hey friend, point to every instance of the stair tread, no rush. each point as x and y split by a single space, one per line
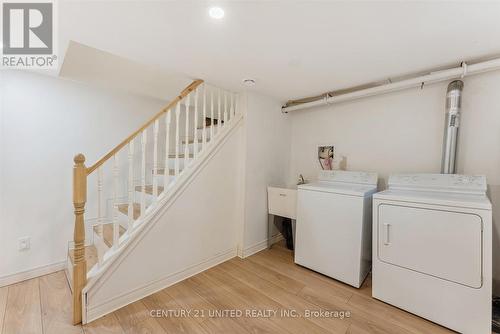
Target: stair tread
208 121
123 208
90 256
149 189
107 230
181 156
161 171
200 127
191 141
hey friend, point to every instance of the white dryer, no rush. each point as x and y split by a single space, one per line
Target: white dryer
432 237
333 233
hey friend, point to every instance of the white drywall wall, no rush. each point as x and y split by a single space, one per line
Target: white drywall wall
267 150
403 132
45 121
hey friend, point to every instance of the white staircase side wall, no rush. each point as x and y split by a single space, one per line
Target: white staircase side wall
194 231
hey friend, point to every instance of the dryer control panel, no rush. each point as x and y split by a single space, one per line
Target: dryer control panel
348 177
468 184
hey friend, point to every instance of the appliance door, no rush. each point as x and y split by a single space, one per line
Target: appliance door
328 237
440 243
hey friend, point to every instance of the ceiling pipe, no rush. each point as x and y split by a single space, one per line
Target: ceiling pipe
451 126
384 88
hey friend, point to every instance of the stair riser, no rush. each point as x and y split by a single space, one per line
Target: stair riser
123 218
190 147
100 245
171 163
200 132
148 198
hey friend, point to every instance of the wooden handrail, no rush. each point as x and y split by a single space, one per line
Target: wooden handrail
165 109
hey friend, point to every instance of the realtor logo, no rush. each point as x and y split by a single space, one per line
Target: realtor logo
28 34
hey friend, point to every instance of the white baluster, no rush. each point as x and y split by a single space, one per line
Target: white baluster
186 137
225 108
155 159
212 125
143 172
116 234
219 110
166 175
131 190
195 139
177 144
99 211
233 104
204 135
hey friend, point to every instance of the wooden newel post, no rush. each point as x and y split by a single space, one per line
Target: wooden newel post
80 264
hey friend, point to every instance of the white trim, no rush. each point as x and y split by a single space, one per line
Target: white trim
157 285
259 246
32 273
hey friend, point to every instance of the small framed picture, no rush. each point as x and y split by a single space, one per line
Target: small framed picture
325 156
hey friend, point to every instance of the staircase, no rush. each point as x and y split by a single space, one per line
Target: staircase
123 190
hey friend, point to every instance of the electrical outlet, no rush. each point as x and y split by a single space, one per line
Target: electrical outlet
24 244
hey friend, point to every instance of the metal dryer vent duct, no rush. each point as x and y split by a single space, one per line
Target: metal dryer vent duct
453 105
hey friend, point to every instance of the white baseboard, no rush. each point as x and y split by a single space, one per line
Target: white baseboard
155 286
32 273
246 252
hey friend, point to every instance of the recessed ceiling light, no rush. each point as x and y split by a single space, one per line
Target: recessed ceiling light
216 13
249 82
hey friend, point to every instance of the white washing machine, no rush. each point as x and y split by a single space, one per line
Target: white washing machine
333 232
432 249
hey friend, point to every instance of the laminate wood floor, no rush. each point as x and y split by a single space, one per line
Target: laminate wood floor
238 296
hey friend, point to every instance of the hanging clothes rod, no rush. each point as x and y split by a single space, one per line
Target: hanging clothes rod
387 86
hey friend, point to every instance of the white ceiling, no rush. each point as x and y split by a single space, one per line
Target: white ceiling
291 48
